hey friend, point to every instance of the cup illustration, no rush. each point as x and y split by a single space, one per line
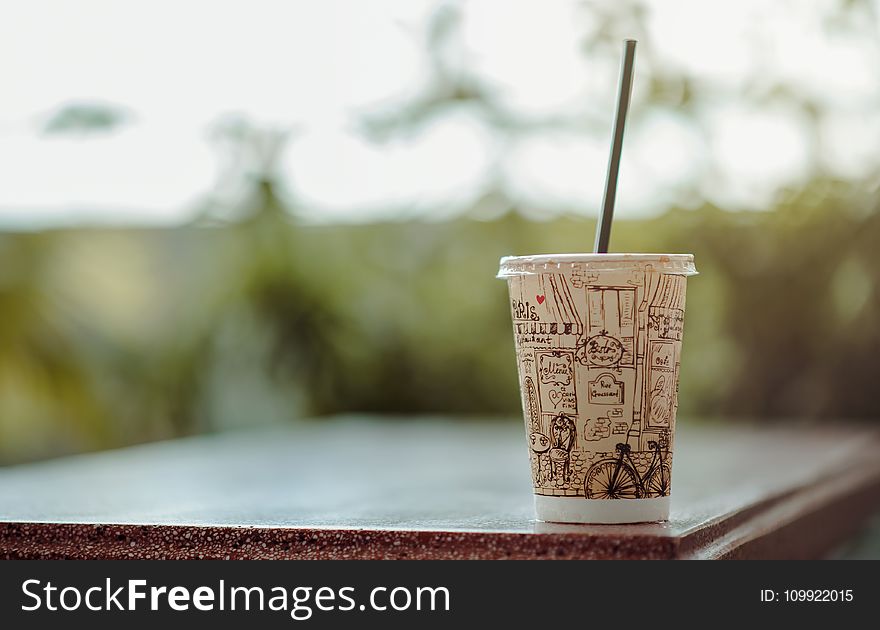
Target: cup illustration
598 347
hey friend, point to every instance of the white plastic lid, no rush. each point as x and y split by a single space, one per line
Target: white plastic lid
680 264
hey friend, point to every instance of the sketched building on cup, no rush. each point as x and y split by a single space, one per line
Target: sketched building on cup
599 350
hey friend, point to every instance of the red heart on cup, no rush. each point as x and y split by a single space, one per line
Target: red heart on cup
540 299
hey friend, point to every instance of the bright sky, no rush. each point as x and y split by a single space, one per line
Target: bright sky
179 67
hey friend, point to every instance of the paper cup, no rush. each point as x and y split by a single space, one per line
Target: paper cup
598 347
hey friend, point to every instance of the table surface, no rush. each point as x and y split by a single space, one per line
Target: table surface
355 487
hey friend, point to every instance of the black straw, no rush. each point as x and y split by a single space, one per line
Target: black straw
603 229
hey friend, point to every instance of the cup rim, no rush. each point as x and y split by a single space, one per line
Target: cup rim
610 257
527 265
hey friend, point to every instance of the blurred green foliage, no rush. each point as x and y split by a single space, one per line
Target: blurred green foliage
112 336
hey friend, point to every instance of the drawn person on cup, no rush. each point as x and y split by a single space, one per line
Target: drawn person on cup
539 444
660 403
562 439
538 440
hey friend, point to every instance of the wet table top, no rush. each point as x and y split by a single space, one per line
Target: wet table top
356 487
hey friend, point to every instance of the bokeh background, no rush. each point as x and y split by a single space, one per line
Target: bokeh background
217 215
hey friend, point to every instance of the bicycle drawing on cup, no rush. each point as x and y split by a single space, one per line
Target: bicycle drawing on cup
619 478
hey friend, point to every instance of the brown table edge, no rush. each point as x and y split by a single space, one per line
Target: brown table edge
125 541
